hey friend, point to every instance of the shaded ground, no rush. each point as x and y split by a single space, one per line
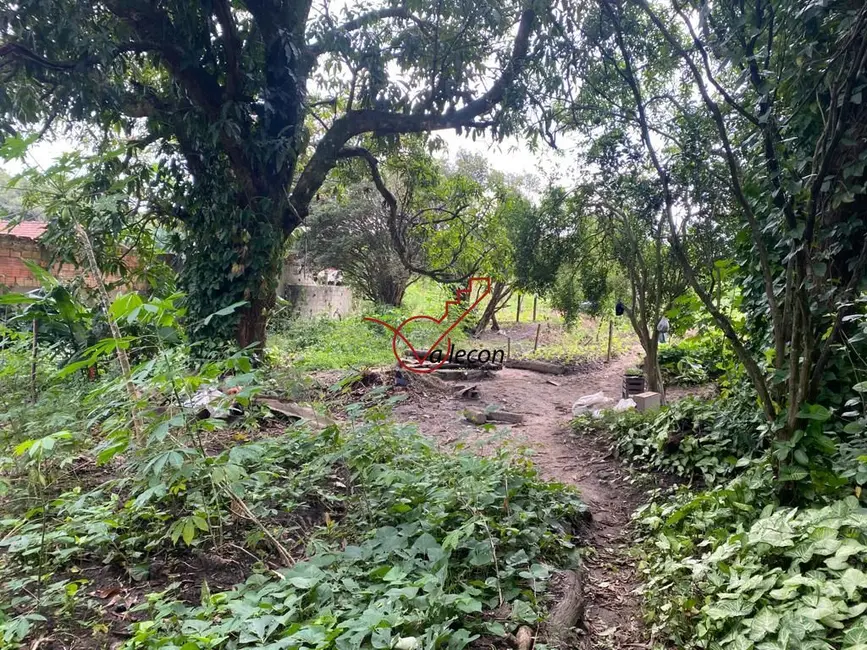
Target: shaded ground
613 612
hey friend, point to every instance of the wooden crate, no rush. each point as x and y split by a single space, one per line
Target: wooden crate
632 385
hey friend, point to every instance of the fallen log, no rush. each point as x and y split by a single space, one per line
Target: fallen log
505 416
567 612
524 638
536 366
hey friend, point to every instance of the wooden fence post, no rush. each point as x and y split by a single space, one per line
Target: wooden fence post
518 313
536 344
610 333
535 298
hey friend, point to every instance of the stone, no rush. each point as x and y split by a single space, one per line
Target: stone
624 405
647 401
590 403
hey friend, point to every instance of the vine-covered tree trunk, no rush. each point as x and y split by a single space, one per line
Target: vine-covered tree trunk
232 262
390 291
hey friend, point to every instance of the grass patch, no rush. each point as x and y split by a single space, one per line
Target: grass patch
585 340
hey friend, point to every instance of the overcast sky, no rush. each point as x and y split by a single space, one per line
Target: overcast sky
511 156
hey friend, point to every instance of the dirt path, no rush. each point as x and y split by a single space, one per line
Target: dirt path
613 612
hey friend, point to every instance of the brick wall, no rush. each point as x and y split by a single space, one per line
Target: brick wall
14 274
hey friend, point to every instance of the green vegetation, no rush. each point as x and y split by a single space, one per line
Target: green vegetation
128 479
351 342
695 360
691 439
585 340
714 190
727 561
724 571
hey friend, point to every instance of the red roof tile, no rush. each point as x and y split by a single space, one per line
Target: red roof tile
25 229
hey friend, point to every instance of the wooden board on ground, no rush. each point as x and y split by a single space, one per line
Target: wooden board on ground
467 392
536 366
296 412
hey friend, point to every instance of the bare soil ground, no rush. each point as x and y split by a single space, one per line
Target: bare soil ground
613 613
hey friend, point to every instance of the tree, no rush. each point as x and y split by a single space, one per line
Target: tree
771 93
584 239
350 232
219 92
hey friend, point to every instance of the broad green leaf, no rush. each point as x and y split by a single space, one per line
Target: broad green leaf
764 623
725 609
852 580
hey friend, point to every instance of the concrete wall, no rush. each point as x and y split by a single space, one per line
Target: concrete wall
309 301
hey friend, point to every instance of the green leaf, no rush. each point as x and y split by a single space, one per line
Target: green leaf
188 532
764 623
124 305
522 611
225 311
725 609
851 580
856 635
815 412
17 299
791 473
16 146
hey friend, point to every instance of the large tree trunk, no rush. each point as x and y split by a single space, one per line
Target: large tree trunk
254 321
390 290
232 256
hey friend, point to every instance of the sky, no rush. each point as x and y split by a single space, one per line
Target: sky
511 156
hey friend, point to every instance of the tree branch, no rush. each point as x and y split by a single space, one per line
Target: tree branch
354 123
402 13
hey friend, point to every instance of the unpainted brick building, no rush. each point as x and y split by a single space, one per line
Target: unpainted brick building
21 242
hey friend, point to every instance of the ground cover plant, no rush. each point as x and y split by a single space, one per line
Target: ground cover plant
352 535
724 571
693 439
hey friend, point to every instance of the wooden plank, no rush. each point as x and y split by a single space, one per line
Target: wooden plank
536 366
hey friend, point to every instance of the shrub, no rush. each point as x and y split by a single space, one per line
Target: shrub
689 438
721 573
694 360
389 540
